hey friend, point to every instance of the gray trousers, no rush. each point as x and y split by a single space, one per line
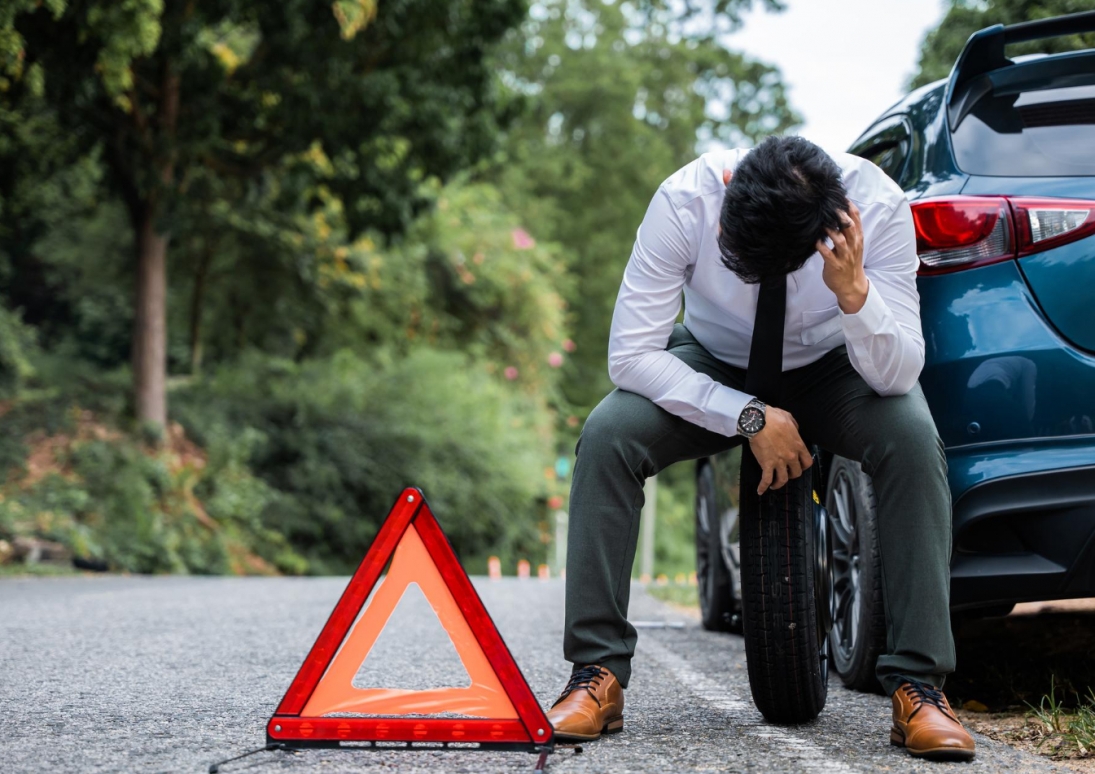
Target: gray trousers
627 438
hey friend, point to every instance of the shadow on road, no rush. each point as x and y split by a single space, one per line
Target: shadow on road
1007 662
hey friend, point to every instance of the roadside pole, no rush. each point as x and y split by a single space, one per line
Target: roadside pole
648 516
560 541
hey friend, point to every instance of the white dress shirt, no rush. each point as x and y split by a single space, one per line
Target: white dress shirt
676 249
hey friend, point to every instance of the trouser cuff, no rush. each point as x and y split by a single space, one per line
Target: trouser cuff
892 682
619 666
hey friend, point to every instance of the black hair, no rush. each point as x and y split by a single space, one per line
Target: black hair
780 200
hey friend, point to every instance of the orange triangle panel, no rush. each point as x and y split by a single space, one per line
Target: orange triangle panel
322 706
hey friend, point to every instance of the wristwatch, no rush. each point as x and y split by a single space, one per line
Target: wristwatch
751 420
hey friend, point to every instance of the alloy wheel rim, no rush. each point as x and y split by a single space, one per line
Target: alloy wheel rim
846 564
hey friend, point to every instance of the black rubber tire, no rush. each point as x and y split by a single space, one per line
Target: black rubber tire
719 609
854 649
783 640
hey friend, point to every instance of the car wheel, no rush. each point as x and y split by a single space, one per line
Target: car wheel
858 635
719 609
785 591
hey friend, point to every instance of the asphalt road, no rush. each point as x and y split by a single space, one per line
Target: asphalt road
119 674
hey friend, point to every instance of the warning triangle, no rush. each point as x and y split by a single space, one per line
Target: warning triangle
323 707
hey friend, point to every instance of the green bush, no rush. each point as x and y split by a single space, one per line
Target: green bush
16 342
339 437
69 477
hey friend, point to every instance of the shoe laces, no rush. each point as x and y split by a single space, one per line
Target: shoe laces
585 679
922 694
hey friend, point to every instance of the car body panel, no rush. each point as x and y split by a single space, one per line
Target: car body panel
1062 280
996 369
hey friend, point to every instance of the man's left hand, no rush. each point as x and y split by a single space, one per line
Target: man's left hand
843 272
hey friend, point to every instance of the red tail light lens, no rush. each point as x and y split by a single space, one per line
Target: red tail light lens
1042 224
962 232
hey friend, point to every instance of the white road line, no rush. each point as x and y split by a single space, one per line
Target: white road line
744 717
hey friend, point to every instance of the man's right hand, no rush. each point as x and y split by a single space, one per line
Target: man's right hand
779 450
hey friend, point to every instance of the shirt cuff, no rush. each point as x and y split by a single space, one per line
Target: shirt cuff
725 407
869 320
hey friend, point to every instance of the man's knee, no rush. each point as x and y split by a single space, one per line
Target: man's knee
909 468
908 436
617 423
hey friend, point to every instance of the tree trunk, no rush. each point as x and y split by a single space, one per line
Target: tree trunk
197 302
150 324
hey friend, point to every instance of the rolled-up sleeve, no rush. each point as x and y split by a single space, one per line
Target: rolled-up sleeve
884 338
646 310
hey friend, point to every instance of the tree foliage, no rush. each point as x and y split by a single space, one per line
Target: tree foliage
190 104
185 97
617 98
942 45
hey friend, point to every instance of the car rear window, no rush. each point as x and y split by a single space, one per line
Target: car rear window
1037 133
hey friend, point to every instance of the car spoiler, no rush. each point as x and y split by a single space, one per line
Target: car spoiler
984 54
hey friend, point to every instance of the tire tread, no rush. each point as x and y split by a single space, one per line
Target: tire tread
782 652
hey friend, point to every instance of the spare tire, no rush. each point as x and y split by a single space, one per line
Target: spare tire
785 589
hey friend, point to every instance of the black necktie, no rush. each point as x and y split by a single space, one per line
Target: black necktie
764 376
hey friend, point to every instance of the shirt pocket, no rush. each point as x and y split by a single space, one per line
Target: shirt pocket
820 324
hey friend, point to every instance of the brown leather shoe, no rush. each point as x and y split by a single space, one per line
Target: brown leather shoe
591 704
925 725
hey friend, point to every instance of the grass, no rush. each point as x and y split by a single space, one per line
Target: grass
1067 733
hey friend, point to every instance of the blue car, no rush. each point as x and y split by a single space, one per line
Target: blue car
998 162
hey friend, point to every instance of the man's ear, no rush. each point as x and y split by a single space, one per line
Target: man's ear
726 175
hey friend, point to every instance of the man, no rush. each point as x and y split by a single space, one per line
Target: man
841 232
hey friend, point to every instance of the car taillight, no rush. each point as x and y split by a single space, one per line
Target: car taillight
1045 223
962 232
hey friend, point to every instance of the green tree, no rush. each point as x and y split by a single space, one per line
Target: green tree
190 104
463 277
942 45
617 97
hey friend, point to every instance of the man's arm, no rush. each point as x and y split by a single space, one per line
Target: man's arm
881 319
646 309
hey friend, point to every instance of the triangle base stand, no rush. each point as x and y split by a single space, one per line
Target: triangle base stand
272 746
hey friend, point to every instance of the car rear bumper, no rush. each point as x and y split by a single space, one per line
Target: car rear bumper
1027 536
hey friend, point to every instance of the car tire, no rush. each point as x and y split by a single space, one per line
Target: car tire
858 635
785 620
719 608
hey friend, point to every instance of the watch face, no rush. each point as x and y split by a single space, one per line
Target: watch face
752 420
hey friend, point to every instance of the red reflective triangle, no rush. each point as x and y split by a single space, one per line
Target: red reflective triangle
497 708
